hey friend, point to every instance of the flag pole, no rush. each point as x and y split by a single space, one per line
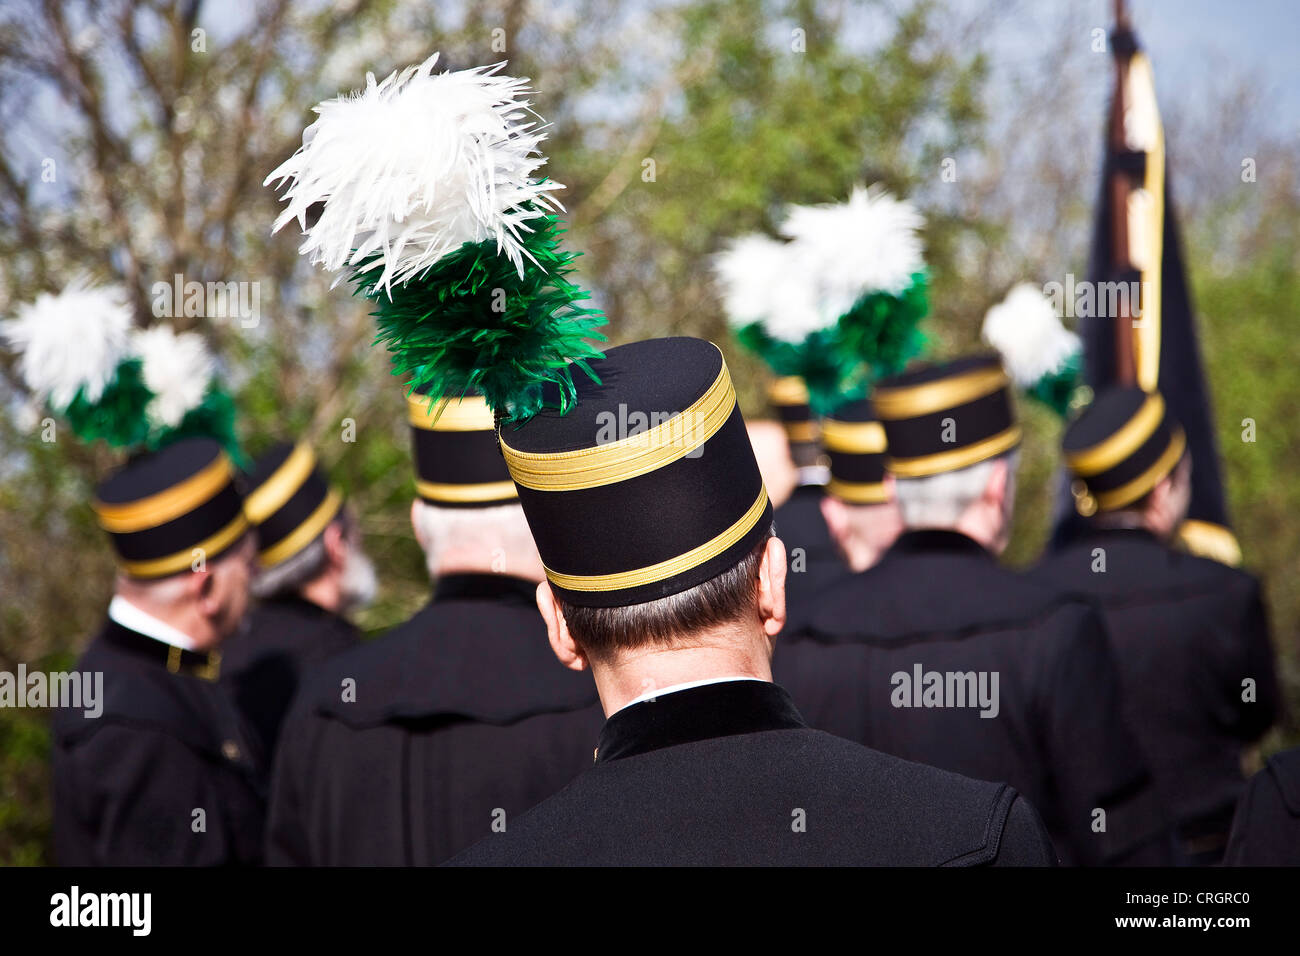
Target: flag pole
1119 188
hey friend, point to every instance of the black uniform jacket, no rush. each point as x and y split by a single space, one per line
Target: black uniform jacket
1187 632
1266 829
729 774
812 559
903 657
128 784
264 662
458 720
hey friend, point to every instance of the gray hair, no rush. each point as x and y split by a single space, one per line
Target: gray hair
292 574
939 501
489 529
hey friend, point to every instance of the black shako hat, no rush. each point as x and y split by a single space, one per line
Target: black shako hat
1120 447
941 418
289 501
649 485
788 397
855 441
457 461
164 509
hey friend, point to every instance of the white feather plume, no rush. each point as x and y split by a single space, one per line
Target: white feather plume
70 341
414 166
869 243
762 280
1025 329
176 368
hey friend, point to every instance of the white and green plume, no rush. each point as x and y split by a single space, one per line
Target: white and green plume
131 388
1041 355
432 203
838 300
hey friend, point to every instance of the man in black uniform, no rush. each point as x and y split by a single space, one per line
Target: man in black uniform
1266 828
862 515
664 578
408 749
814 563
1190 634
938 654
311 571
166 774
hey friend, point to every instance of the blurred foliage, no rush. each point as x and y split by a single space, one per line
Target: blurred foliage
674 125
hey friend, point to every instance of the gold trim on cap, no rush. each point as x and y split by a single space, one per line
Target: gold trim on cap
305 533
911 401
924 465
858 492
162 567
166 505
805 431
467 493
469 413
664 569
1110 451
788 390
270 496
1131 491
857 438
1210 540
628 457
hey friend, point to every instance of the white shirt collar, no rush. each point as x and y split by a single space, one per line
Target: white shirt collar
130 616
660 692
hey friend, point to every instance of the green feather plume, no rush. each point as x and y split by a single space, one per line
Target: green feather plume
472 322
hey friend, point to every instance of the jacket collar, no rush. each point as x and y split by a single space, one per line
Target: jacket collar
485 587
937 541
175 659
697 713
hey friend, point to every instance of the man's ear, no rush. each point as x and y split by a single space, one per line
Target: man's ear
202 586
335 545
995 492
557 630
836 515
771 587
415 525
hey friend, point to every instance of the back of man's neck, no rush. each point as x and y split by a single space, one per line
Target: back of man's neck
654 669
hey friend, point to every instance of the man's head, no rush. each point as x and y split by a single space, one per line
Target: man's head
859 510
1130 462
206 603
652 520
772 450
491 540
176 519
977 500
952 437
333 571
309 542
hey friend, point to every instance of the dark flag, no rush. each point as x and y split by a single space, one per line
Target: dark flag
1140 329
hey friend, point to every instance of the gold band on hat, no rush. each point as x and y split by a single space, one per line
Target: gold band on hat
469 413
468 493
1131 491
805 431
912 401
270 496
628 457
162 567
857 438
166 505
1109 452
858 492
958 458
305 533
788 390
664 569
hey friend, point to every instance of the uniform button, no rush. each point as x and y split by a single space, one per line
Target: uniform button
230 750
